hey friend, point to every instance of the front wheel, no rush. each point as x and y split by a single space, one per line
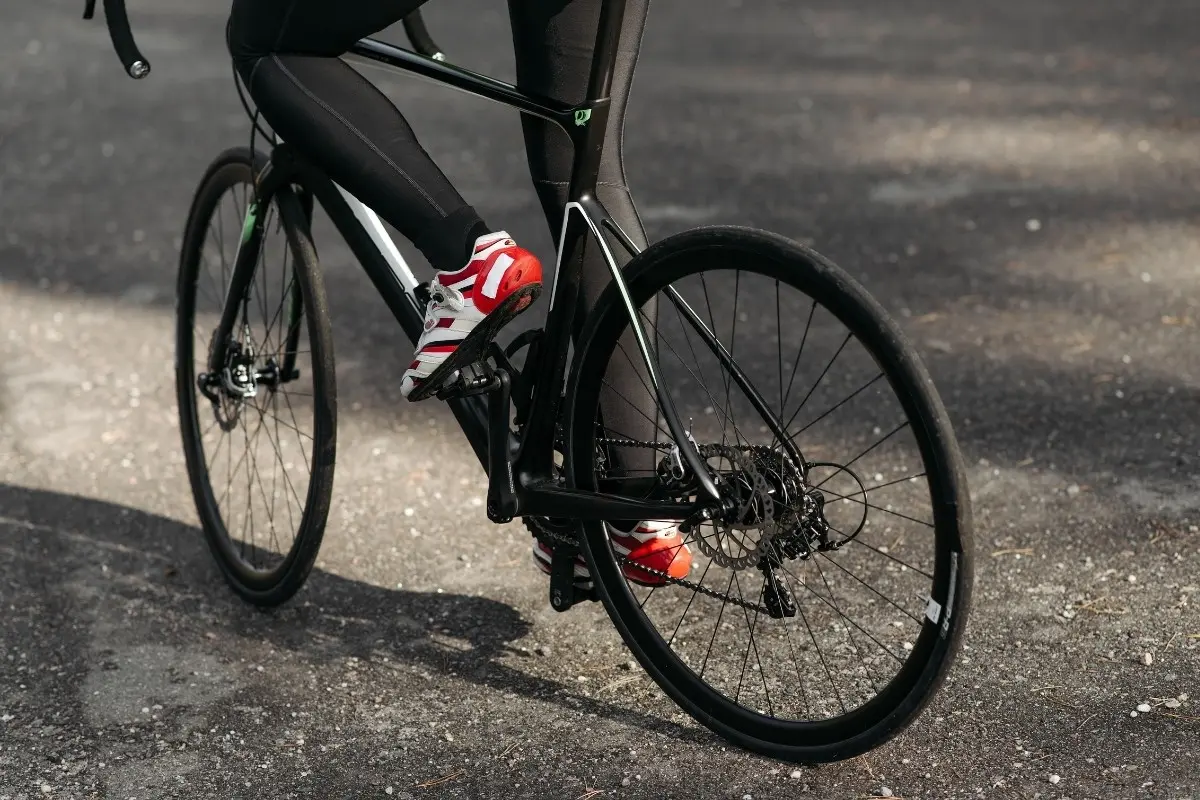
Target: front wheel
823 612
259 434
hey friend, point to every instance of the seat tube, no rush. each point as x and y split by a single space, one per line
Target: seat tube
604 57
591 118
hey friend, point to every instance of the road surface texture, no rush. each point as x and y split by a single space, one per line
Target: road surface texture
1017 181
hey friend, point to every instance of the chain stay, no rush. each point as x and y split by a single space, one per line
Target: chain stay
562 538
706 451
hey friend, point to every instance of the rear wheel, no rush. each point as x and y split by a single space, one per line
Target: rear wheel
259 436
820 617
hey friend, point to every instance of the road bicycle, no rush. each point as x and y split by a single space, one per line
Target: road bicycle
820 613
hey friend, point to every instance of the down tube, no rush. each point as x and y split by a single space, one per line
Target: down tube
470 413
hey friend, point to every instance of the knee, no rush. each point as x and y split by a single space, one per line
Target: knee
242 43
243 37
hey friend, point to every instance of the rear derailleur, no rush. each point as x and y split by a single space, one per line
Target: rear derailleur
799 543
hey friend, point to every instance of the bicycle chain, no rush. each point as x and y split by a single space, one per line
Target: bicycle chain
623 560
705 451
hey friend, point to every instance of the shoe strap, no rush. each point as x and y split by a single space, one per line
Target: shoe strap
453 297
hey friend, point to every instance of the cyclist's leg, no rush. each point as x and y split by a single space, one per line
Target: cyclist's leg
287 53
554 42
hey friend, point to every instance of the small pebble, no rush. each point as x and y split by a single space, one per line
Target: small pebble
624 781
1055 779
628 665
449 737
885 791
1172 703
747 797
1144 708
1033 225
797 774
1147 658
389 790
542 650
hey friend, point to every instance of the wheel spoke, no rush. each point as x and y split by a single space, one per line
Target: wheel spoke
796 364
854 460
872 506
884 597
834 408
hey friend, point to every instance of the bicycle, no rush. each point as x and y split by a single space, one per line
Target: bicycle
766 502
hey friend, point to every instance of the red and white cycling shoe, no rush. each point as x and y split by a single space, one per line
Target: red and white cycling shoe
468 308
655 544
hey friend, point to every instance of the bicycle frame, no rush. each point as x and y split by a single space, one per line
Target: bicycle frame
529 488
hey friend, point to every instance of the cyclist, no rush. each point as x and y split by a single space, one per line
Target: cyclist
288 54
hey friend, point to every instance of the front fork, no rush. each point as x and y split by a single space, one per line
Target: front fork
230 365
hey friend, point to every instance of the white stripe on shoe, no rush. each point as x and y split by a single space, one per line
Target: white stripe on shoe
496 274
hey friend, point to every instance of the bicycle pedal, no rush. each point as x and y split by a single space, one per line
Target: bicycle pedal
472 379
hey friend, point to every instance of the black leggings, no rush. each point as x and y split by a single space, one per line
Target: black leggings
287 52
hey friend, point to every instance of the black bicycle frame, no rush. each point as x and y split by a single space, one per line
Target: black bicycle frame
530 487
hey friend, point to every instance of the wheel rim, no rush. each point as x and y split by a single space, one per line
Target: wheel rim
831 642
257 451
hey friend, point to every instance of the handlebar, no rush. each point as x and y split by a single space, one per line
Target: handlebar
136 65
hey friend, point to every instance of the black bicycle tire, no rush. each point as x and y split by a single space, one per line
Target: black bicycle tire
276 586
870 725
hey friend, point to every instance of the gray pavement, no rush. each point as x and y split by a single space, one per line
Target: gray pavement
1016 181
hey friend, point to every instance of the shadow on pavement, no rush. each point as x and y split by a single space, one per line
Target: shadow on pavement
162 567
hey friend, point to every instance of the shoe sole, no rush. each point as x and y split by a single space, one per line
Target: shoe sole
474 347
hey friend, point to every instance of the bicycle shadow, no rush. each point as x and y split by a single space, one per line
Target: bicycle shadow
49 540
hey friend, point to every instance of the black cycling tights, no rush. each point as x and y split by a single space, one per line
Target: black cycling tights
287 52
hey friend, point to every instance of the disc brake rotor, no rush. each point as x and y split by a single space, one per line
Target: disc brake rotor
732 548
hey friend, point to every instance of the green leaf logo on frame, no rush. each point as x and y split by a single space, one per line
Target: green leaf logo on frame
582 116
248 227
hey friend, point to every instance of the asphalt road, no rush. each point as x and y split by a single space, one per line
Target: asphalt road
1016 181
